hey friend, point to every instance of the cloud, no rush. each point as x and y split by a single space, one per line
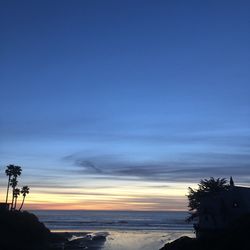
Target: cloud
189 168
88 165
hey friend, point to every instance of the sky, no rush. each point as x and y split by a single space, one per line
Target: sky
122 105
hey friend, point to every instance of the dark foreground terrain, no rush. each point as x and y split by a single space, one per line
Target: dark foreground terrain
236 237
23 231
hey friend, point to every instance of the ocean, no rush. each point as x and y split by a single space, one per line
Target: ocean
127 230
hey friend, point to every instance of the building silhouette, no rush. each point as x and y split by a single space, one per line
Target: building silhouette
217 211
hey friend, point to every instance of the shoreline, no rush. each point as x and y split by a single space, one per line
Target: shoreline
120 239
77 240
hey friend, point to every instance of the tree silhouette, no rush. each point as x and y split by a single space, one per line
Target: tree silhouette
205 188
13 184
24 191
16 193
9 173
16 171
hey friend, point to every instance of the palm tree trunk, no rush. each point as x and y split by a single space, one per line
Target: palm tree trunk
12 202
15 203
22 203
8 186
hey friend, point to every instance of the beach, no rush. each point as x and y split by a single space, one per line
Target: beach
120 240
117 230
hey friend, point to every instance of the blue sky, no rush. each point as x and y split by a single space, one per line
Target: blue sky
125 93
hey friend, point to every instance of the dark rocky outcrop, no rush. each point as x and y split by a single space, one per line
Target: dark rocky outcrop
22 230
235 237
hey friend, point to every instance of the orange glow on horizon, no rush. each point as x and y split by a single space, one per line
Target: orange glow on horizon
122 198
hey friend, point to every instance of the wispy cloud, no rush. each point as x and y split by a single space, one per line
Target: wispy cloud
86 164
190 168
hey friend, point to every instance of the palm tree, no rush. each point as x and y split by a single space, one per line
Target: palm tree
205 188
16 193
13 184
9 173
25 190
16 171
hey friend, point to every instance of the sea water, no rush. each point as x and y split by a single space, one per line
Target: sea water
128 230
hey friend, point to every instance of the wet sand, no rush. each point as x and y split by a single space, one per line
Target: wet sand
140 240
78 240
120 240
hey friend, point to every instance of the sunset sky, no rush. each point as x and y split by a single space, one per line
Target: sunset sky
123 104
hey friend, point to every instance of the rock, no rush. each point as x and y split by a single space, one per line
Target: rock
184 242
22 231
